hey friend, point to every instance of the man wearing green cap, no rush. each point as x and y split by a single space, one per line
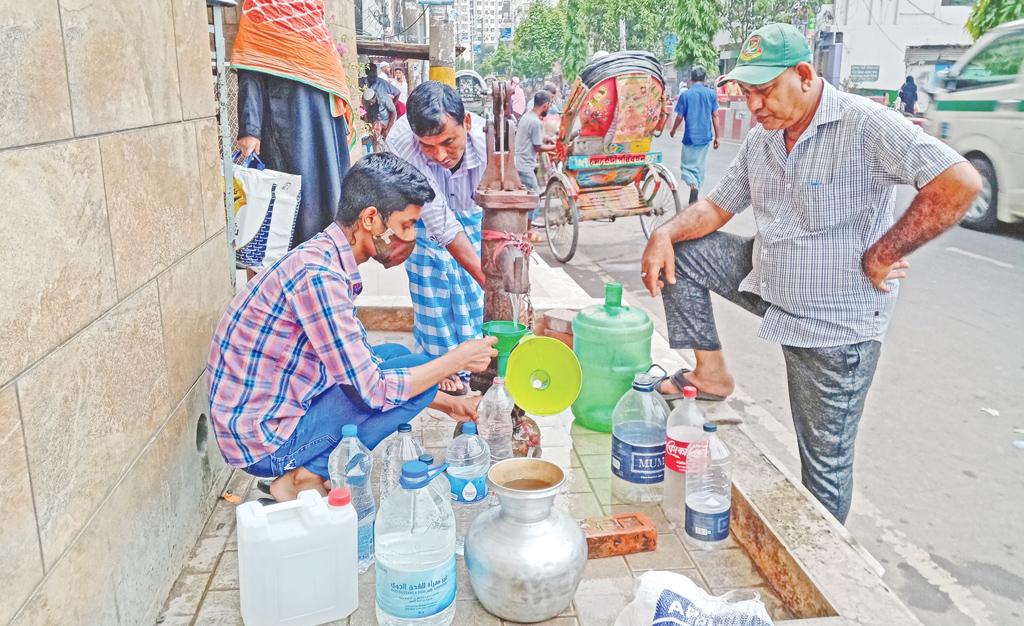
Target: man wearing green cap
823 268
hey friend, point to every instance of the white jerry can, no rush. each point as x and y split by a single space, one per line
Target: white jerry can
298 561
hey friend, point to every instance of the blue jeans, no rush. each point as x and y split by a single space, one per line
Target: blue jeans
529 180
827 385
319 430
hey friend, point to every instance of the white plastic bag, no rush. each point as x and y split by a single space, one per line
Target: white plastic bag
266 204
666 598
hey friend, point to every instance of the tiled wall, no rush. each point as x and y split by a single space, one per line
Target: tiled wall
114 272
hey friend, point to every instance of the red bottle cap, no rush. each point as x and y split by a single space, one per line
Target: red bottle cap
339 497
689 392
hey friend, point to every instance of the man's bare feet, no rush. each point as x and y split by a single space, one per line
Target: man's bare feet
287 486
452 384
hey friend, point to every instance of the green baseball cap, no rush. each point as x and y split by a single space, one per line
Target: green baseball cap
767 52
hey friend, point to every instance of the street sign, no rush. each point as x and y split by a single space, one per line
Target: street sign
863 73
671 41
505 33
477 48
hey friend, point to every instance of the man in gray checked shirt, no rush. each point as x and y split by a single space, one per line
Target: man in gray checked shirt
819 173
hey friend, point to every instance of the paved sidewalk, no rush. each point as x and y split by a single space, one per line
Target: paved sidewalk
206 593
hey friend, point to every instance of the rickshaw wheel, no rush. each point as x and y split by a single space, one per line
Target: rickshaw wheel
657 193
561 221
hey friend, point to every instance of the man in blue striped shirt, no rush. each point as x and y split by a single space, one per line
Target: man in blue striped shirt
446 144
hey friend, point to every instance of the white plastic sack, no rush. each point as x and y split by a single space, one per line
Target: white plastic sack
266 204
666 598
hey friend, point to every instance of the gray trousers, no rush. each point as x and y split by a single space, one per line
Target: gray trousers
827 386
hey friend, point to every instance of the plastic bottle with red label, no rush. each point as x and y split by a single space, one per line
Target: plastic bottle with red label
685 424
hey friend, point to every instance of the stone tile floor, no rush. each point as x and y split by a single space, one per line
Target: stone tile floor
206 592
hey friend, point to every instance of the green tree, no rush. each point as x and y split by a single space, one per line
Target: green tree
741 17
574 51
498 62
987 14
697 21
538 40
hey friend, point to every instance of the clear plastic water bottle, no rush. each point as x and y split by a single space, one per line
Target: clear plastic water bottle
469 458
439 484
416 552
398 449
494 421
638 442
351 465
685 425
708 490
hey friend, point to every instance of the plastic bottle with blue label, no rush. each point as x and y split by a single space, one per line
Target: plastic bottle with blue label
638 442
708 490
469 458
416 552
351 465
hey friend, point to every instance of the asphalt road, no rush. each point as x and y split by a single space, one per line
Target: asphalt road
940 485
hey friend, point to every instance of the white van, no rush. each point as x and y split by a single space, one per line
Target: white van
980 113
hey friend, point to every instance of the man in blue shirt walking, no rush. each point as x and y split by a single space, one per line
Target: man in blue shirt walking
696 106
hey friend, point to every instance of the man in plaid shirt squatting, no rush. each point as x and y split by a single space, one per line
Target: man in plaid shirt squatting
290 363
822 270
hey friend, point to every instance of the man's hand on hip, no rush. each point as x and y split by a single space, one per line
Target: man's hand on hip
658 264
878 271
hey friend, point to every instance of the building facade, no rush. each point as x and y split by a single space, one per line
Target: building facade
875 44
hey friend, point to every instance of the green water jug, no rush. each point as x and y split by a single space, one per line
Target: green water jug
613 344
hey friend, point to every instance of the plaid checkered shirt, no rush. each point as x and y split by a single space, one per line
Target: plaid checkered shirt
447 302
819 208
284 340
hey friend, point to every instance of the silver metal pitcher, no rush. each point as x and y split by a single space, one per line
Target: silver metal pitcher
525 558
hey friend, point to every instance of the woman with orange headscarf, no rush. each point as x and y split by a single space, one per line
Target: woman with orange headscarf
293 106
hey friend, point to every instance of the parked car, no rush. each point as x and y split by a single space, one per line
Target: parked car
980 113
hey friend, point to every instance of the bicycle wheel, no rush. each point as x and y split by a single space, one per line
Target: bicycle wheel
561 221
657 193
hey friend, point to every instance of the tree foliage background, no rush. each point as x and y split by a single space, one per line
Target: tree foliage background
987 14
572 30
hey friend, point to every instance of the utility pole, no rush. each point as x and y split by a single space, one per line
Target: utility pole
622 34
411 25
442 45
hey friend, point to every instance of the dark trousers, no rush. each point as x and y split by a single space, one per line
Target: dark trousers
827 385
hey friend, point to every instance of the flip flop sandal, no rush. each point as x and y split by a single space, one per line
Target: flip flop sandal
460 392
267 501
679 380
263 486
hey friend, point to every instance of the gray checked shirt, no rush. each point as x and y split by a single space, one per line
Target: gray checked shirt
819 208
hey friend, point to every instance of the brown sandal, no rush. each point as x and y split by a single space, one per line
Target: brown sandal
680 380
460 392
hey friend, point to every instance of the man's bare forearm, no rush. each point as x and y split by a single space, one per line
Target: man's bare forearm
697 220
938 206
466 255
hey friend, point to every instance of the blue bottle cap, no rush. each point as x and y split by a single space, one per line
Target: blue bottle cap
405 428
349 430
427 458
710 427
414 469
469 428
